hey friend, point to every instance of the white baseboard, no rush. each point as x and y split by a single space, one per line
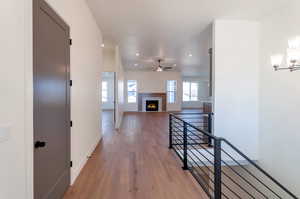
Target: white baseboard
75 171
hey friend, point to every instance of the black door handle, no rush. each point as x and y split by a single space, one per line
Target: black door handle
39 144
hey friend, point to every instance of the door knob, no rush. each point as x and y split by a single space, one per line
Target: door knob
39 144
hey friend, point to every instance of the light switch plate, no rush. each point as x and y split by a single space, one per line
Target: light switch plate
4 132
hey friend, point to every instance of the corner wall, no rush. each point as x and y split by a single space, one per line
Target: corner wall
86 67
236 83
280 100
120 99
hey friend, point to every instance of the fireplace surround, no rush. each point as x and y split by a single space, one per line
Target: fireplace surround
162 97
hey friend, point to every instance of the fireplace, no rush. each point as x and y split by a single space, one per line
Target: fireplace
152 105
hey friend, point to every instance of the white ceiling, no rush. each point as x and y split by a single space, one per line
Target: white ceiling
170 28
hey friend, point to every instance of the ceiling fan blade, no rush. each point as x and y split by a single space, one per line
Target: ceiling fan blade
168 68
168 65
168 60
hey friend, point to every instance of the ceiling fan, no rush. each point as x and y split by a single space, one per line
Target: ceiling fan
161 67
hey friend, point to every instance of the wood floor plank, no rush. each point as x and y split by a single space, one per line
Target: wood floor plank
135 163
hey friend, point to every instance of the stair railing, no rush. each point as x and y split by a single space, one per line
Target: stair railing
219 172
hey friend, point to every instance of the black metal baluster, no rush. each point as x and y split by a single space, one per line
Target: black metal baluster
170 132
217 168
209 128
185 148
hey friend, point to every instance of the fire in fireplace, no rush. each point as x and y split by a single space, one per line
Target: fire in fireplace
152 105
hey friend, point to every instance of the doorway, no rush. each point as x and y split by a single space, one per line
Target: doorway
108 101
51 73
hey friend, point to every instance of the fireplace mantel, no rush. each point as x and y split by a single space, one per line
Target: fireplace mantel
163 96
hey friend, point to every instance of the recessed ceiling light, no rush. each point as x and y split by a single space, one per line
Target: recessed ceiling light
135 64
137 54
174 65
190 55
102 45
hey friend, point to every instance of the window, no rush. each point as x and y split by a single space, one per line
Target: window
186 91
131 91
104 91
190 91
171 91
194 91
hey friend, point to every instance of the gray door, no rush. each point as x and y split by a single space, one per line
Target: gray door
51 103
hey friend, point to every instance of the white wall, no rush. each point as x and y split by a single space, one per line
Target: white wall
109 60
280 100
154 82
203 92
120 98
86 66
236 78
110 79
16 115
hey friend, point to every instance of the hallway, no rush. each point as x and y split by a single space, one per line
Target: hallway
135 163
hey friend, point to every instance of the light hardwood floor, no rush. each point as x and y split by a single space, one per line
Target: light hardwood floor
135 163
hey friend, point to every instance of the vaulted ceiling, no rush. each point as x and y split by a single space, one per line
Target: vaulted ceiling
173 29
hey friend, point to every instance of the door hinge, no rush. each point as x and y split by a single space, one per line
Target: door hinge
71 82
71 164
71 123
71 42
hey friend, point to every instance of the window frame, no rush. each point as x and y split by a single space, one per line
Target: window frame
134 92
169 91
190 96
197 93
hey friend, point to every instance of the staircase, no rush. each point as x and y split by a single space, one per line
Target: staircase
219 167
